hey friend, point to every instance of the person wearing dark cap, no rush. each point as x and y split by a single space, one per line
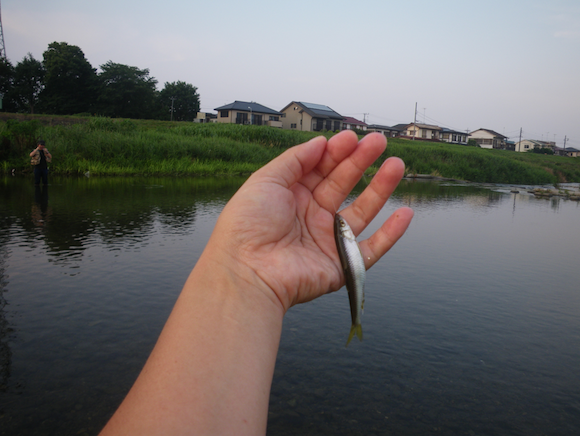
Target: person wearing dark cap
40 157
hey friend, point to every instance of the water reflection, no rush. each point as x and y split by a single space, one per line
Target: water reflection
40 210
120 211
474 311
113 211
5 352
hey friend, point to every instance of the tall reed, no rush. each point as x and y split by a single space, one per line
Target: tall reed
104 146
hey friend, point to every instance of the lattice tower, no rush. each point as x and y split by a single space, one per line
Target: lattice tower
2 46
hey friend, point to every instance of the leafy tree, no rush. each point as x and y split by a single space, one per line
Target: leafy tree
28 83
542 150
127 92
6 83
71 81
183 98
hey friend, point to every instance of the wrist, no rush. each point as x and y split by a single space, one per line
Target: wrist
231 280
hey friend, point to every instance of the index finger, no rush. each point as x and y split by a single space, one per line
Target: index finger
333 190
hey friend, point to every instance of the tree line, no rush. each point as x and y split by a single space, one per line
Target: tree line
65 83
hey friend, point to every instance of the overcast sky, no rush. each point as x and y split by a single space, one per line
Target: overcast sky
501 65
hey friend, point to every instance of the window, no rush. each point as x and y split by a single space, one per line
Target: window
454 138
256 120
273 118
224 114
241 118
293 125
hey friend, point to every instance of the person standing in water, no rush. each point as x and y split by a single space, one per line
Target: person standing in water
40 158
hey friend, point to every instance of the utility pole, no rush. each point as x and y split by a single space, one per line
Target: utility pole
520 143
415 122
564 150
172 100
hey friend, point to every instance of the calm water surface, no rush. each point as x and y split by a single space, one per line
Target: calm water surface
471 323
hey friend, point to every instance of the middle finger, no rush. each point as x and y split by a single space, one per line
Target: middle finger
333 190
363 210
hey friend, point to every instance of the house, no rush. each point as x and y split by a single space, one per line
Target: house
389 132
350 123
510 145
530 144
205 117
486 138
453 136
399 129
424 132
310 117
248 112
568 151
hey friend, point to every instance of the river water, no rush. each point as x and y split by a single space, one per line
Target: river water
471 323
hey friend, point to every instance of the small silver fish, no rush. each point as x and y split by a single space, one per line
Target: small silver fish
354 269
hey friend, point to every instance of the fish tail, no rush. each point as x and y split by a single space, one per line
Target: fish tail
355 329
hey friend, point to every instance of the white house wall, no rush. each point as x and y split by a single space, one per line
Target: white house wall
524 145
484 135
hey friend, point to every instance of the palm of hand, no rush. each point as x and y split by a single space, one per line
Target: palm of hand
288 241
280 223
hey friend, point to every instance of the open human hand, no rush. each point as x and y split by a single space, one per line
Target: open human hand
279 225
273 246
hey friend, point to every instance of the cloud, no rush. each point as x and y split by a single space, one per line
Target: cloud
568 34
567 23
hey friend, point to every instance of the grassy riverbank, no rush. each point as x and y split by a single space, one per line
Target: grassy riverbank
475 164
103 146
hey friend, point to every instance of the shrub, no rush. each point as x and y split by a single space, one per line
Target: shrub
17 137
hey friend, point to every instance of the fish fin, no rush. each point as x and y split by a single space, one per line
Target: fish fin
355 329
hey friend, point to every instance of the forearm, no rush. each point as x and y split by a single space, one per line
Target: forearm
211 370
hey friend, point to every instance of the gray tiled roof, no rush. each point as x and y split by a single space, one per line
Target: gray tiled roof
247 106
316 110
446 130
499 135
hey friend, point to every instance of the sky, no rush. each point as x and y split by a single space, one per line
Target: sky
503 65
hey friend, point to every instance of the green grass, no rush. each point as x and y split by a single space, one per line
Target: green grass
482 165
104 146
